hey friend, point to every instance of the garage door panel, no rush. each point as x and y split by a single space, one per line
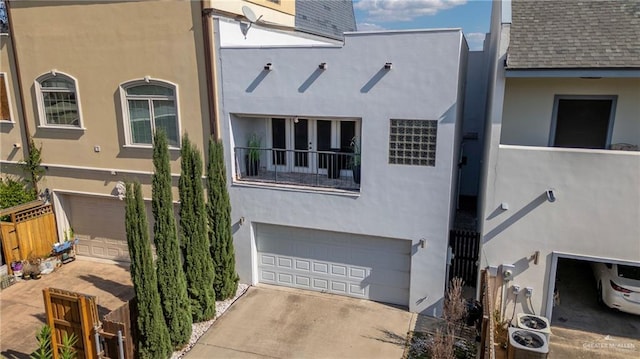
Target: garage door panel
320 284
267 276
352 265
302 264
339 270
266 259
99 225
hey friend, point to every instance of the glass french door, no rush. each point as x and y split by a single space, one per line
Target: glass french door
303 145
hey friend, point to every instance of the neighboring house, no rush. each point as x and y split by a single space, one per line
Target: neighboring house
302 217
562 167
97 78
331 18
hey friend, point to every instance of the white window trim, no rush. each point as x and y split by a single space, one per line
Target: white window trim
9 103
556 106
124 105
42 117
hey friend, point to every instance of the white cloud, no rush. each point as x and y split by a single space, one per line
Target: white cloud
366 26
403 10
475 40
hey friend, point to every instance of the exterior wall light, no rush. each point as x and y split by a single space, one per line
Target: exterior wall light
268 66
387 66
551 195
323 66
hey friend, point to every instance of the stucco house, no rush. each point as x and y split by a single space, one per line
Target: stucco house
561 167
298 114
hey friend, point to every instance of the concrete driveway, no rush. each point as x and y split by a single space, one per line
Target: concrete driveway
22 305
276 322
584 329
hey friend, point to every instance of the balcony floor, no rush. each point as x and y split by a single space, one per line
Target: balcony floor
319 180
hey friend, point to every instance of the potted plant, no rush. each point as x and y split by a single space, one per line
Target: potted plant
355 160
252 159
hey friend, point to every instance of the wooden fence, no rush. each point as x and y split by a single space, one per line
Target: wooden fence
122 320
487 336
69 312
31 232
465 246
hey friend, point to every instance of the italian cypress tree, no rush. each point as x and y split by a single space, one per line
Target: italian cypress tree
172 284
219 213
153 335
198 265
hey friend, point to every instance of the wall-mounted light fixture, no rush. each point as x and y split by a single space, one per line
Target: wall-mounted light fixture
504 206
17 145
268 66
147 79
423 242
323 66
241 221
551 195
387 66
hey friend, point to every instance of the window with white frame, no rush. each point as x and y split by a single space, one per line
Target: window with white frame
5 109
58 101
149 106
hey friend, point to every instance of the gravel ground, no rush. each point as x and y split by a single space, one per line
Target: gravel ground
200 328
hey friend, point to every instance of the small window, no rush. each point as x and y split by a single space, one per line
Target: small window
5 109
582 122
58 102
148 107
413 142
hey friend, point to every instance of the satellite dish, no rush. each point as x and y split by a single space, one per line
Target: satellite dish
249 14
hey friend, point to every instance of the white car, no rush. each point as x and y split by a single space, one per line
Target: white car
618 286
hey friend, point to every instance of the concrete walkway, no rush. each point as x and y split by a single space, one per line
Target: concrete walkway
276 322
22 305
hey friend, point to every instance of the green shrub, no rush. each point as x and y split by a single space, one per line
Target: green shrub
44 344
13 193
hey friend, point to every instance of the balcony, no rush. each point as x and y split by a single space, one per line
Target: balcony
319 169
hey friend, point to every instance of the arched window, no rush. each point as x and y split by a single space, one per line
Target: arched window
58 102
149 106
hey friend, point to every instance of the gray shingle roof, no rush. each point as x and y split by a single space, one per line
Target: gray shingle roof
574 34
325 17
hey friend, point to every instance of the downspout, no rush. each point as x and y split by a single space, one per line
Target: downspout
16 65
210 69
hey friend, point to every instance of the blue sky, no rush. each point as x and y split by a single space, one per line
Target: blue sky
473 16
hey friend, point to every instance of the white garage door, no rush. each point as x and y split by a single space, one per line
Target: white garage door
357 266
99 226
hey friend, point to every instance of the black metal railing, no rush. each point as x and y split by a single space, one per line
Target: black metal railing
326 169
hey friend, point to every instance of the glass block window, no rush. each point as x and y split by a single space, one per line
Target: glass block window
413 142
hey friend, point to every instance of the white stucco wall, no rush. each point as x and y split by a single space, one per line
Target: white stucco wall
529 102
238 34
596 213
395 201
